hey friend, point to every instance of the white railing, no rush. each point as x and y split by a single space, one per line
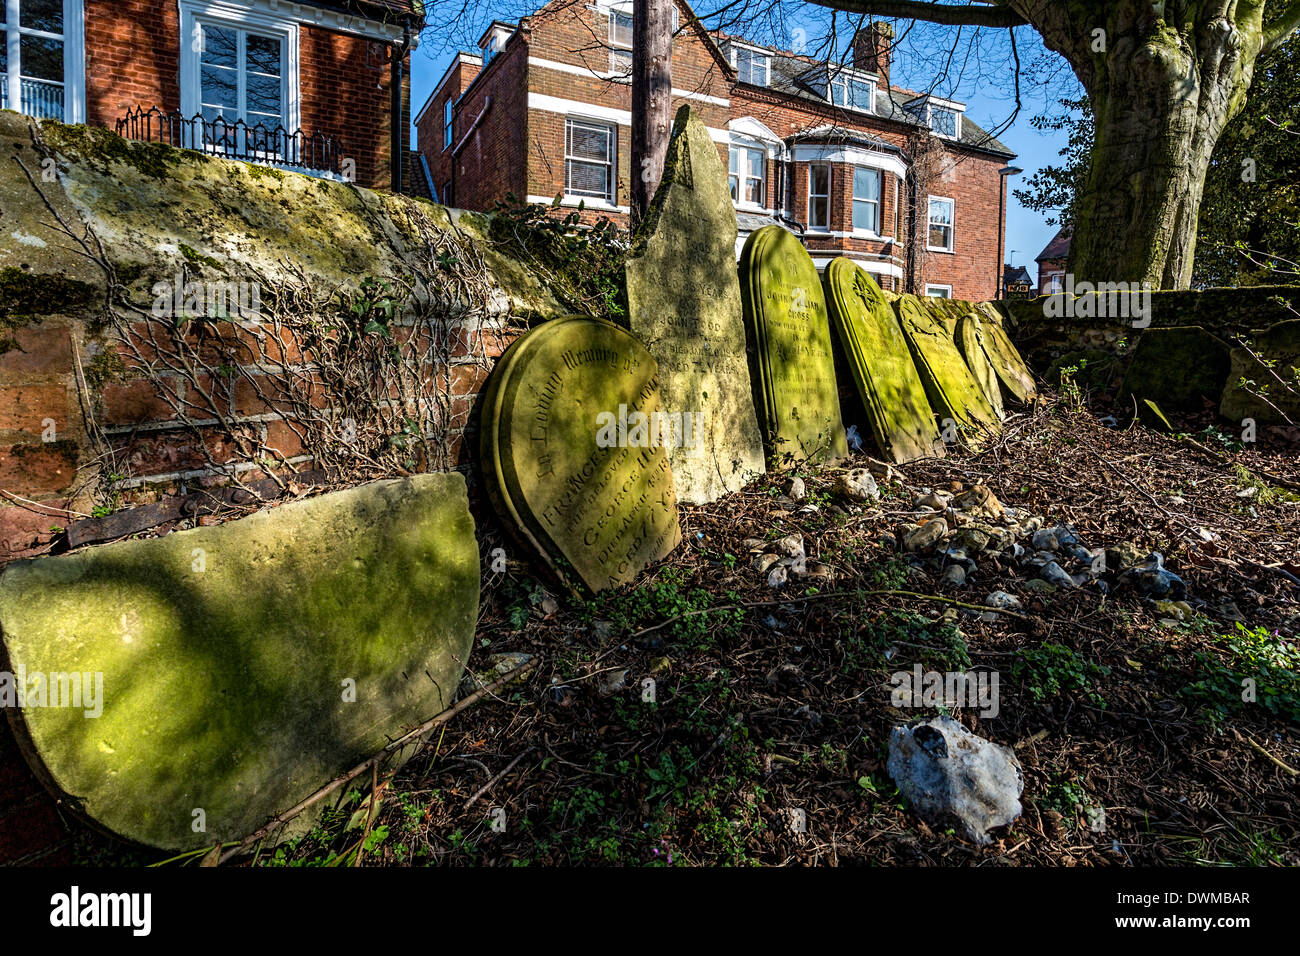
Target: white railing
42 99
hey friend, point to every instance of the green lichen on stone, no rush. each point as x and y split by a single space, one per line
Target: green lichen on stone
198 259
1177 368
229 655
25 295
97 145
952 390
898 412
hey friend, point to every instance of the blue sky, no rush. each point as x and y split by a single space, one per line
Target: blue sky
989 103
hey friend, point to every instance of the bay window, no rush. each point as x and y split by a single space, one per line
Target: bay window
746 174
819 196
866 199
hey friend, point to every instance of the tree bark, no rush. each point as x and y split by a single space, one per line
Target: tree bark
1161 99
652 83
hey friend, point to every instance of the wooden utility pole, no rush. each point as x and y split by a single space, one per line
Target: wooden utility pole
652 86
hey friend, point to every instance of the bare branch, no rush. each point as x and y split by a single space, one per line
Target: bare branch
972 15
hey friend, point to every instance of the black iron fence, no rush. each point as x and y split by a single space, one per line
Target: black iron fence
258 143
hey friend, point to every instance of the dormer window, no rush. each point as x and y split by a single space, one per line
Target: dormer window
844 88
944 122
942 116
494 41
752 66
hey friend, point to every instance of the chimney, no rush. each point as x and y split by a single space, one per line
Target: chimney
871 48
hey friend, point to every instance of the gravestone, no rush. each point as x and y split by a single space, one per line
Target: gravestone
574 454
684 306
970 342
1269 402
953 392
790 350
1177 368
898 412
1017 381
238 669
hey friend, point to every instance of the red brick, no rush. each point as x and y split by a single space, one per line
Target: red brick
42 350
135 403
30 469
27 408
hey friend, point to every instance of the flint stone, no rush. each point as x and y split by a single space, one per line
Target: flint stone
224 650
857 484
607 509
684 305
949 774
789 347
927 536
952 390
898 411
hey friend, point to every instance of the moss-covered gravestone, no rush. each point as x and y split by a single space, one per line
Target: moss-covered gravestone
953 392
684 305
185 690
1177 368
1012 372
573 450
900 417
790 350
1264 398
970 342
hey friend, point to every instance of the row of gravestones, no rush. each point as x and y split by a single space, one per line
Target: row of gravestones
183 690
592 434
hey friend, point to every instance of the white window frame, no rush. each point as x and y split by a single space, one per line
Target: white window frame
877 202
844 78
226 14
74 57
825 226
952 226
956 125
931 287
742 196
1055 282
447 108
754 54
611 162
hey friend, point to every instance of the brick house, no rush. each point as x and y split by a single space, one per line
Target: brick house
834 152
315 85
1051 263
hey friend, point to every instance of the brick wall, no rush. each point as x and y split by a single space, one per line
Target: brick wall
133 60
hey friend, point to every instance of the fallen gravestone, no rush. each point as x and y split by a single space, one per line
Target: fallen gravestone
684 306
948 773
184 690
574 454
897 410
790 350
953 392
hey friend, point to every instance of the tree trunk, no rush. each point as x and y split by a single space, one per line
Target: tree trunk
652 83
1161 100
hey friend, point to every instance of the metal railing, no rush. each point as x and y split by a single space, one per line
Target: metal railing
265 145
42 99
